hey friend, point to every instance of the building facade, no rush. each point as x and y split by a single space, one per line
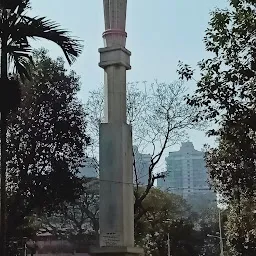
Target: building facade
187 175
142 164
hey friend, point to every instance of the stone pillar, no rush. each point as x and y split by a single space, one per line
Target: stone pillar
116 170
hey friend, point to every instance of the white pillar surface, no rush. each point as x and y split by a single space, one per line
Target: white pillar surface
116 172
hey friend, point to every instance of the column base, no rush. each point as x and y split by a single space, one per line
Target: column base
117 251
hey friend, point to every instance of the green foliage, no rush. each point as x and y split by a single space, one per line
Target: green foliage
18 28
226 94
240 227
77 221
227 78
46 142
165 214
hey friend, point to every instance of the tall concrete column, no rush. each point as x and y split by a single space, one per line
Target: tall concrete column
116 170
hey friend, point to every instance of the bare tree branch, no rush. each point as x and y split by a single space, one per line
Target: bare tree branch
160 119
79 218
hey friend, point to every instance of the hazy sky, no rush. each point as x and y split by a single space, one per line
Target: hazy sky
160 33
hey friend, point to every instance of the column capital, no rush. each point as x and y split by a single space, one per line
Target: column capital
115 21
114 56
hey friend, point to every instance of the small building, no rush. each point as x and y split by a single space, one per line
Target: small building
47 244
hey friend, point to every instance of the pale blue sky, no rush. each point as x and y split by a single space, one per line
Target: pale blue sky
160 33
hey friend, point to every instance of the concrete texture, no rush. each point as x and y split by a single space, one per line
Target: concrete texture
116 163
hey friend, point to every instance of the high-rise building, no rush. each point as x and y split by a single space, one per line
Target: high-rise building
90 169
186 174
142 163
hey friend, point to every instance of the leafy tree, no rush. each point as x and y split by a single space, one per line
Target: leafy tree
207 224
17 27
159 117
78 221
226 95
15 31
167 213
240 227
46 142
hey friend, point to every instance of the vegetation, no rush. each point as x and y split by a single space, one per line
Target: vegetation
77 221
225 96
47 138
166 213
18 28
169 214
159 117
46 143
15 31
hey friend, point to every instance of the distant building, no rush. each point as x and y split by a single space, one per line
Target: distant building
186 175
142 163
90 169
47 244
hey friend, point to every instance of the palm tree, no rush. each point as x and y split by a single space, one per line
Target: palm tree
16 28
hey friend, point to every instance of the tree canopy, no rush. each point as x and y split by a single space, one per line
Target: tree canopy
159 117
77 221
46 142
167 213
226 96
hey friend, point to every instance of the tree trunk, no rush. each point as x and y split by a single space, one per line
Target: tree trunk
4 77
3 183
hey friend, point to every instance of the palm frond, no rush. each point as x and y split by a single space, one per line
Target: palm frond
20 27
21 56
40 27
15 5
22 66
